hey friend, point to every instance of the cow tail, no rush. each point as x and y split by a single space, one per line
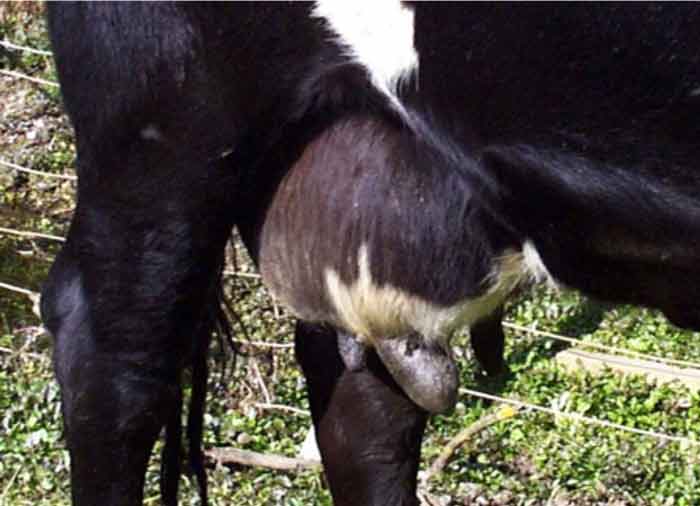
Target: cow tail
195 422
220 326
171 456
170 466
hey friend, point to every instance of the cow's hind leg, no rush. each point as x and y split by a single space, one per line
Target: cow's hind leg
128 301
488 343
369 432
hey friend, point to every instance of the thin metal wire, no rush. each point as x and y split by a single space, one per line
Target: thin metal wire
36 80
19 168
580 418
17 289
38 235
17 47
240 274
580 342
282 407
264 344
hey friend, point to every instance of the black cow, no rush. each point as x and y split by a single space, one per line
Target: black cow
564 133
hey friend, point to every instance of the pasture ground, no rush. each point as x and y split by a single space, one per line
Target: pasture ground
532 459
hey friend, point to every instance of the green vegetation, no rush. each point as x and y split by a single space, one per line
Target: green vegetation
532 459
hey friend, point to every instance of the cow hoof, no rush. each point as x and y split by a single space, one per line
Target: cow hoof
425 371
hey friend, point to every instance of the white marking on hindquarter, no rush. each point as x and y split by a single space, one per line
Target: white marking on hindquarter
378 35
373 312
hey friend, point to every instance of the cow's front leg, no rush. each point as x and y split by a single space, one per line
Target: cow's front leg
369 432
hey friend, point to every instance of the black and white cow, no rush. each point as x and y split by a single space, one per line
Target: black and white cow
395 171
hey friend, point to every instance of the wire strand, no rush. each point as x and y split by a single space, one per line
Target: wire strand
264 344
17 289
579 417
16 47
19 168
29 235
579 342
37 80
241 274
282 407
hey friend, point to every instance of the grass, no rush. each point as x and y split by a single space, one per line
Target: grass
532 459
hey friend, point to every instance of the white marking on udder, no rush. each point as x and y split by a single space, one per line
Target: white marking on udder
378 35
373 312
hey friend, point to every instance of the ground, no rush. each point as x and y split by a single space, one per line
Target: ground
531 459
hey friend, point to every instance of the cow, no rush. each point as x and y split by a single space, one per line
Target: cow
554 139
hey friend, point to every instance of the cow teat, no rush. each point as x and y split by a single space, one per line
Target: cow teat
424 369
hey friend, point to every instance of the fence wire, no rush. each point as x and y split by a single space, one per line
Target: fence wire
16 47
37 80
582 344
580 418
18 168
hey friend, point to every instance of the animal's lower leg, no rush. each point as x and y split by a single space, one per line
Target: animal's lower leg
368 431
488 342
126 322
113 414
